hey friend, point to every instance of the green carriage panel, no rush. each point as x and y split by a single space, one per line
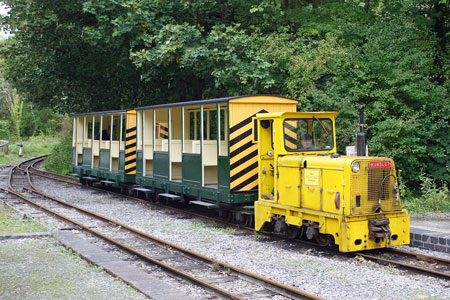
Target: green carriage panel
192 169
139 166
104 159
161 165
224 172
74 158
121 160
87 157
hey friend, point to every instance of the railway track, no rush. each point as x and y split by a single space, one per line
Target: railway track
412 261
221 278
421 263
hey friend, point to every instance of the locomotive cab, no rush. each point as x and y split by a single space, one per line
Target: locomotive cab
307 189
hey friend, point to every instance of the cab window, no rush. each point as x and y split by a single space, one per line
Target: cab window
308 134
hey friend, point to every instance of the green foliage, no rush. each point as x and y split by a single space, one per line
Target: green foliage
40 121
391 56
60 158
4 129
434 197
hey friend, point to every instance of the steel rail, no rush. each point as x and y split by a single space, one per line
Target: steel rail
405 265
279 286
419 256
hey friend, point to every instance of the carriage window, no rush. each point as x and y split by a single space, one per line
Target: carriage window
89 130
308 134
116 128
194 125
222 125
209 124
124 127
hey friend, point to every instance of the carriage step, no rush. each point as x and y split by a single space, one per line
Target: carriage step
108 182
141 189
73 175
206 204
171 196
90 178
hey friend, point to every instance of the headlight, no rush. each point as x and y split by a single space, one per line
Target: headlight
355 167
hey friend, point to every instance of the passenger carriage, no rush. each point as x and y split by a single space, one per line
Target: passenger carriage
203 151
100 157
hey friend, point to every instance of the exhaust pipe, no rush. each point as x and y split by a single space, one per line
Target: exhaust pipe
361 136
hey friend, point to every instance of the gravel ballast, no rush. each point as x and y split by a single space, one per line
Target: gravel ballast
334 277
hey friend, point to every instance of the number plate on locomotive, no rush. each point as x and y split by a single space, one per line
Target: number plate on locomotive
380 164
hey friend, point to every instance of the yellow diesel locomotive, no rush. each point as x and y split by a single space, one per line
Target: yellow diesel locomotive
307 188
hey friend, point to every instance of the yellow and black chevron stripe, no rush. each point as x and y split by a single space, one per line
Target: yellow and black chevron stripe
243 156
130 144
290 135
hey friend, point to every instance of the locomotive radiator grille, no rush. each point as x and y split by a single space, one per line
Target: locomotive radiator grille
366 189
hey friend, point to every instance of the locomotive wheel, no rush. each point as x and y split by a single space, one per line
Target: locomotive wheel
291 232
302 231
323 239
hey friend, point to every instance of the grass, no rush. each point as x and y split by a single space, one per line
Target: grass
34 146
11 223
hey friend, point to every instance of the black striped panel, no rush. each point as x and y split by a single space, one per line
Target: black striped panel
244 159
243 155
129 170
252 180
129 138
245 171
241 137
130 151
128 146
246 121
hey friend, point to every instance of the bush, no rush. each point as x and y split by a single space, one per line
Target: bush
435 197
4 130
60 159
